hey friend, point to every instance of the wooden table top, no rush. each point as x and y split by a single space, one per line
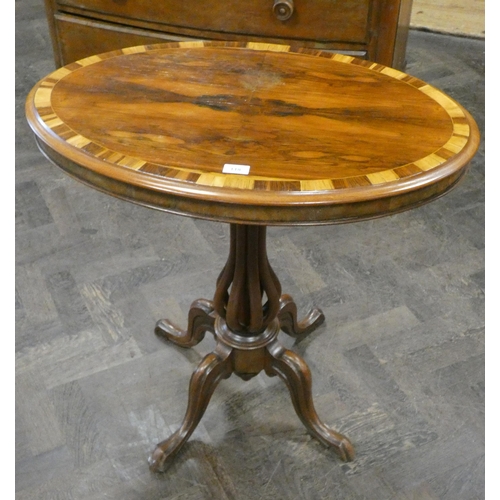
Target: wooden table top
252 133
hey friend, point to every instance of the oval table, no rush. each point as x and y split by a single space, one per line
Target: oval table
253 135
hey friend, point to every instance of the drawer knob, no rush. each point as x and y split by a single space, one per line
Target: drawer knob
283 9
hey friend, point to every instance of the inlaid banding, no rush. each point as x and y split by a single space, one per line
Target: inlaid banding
457 141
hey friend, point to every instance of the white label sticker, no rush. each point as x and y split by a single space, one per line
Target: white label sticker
232 168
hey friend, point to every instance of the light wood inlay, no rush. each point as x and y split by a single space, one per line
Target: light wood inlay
318 130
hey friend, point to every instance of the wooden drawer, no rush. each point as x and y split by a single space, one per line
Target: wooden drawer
372 29
326 20
79 38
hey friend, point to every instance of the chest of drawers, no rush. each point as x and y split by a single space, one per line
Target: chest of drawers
371 29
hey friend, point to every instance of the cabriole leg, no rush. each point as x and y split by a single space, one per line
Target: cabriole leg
213 368
293 370
200 320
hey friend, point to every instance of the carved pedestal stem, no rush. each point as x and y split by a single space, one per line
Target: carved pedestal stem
246 279
246 316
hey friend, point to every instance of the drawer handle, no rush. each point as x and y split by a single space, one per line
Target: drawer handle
283 9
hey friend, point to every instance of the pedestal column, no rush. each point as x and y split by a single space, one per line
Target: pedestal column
245 316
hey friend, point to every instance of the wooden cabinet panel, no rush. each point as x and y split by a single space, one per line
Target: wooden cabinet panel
332 20
99 37
372 29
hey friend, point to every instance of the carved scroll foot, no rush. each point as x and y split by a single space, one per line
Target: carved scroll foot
293 370
213 368
289 323
201 319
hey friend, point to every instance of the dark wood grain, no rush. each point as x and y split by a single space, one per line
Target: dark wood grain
331 137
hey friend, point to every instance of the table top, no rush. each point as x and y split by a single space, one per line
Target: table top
252 133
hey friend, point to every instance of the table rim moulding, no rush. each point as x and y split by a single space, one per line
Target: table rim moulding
384 193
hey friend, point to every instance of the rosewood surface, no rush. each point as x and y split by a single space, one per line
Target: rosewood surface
328 138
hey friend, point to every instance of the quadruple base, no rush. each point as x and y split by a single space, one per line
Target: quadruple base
246 356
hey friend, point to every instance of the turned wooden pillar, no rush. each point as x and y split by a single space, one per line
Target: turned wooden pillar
246 281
